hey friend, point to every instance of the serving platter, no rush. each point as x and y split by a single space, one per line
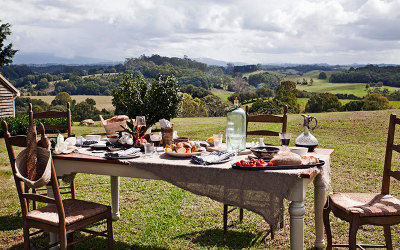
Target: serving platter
136 155
282 167
182 155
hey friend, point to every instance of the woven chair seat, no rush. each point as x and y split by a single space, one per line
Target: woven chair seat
75 210
366 204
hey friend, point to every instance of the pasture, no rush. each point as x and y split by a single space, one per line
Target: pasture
101 101
158 215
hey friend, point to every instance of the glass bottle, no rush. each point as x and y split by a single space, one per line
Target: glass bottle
236 129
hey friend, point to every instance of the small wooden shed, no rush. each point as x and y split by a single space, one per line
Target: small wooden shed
8 93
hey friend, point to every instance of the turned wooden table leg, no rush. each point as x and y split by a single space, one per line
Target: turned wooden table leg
319 202
115 197
296 211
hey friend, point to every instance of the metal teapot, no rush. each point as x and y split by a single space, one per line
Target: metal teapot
306 139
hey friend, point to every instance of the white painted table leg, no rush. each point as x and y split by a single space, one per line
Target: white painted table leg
319 202
296 211
115 197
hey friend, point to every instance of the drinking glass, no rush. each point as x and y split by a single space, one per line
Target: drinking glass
217 140
140 121
285 139
148 149
155 138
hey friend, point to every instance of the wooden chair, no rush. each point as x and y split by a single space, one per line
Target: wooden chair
264 118
62 217
53 114
358 209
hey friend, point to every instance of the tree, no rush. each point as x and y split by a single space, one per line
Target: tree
192 107
156 100
240 84
6 53
323 102
322 75
61 99
42 84
287 94
375 101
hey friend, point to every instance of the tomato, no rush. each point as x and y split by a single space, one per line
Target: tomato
259 164
242 161
270 164
238 164
261 161
253 160
245 164
252 165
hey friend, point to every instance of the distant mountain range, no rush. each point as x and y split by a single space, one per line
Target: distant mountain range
44 58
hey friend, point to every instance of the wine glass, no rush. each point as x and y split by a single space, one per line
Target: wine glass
285 139
140 121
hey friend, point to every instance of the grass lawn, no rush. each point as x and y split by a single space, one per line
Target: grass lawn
101 101
222 94
158 215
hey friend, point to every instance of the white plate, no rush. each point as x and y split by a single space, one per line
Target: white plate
124 156
182 155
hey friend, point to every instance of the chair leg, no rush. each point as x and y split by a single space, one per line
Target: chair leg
70 239
354 224
110 233
27 244
327 226
225 218
241 214
388 237
63 239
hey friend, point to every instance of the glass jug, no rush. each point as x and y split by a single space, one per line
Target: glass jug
236 129
306 139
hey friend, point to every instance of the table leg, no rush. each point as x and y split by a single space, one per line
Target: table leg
319 202
297 211
115 197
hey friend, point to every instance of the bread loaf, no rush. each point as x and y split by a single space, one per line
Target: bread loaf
286 158
309 159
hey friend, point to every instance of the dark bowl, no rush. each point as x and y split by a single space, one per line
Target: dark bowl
181 139
310 147
264 152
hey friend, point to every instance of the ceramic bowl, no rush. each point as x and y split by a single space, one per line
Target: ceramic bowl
93 137
264 152
299 150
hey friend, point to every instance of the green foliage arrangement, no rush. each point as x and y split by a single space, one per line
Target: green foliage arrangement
323 102
155 100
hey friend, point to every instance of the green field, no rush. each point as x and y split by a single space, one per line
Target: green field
222 94
101 101
158 215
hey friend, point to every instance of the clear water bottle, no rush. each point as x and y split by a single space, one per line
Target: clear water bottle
236 129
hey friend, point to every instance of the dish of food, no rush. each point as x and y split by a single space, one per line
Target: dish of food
182 155
182 147
264 152
286 160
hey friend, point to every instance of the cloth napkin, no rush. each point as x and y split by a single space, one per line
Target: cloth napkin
212 158
122 153
64 147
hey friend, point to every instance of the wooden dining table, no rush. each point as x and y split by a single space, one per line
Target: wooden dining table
137 168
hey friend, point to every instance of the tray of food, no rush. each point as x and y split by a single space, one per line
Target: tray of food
283 161
182 149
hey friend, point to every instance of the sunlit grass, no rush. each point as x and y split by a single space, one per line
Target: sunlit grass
158 215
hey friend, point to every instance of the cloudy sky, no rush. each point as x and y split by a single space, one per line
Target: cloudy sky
252 31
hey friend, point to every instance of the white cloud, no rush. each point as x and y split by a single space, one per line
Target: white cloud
305 31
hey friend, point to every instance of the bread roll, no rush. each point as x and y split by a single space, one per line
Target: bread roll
286 158
309 159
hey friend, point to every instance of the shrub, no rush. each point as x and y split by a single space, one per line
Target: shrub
16 125
353 106
375 101
322 75
287 95
267 107
192 107
324 102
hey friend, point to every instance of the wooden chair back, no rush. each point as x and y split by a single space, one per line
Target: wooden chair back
390 147
23 192
266 118
53 114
